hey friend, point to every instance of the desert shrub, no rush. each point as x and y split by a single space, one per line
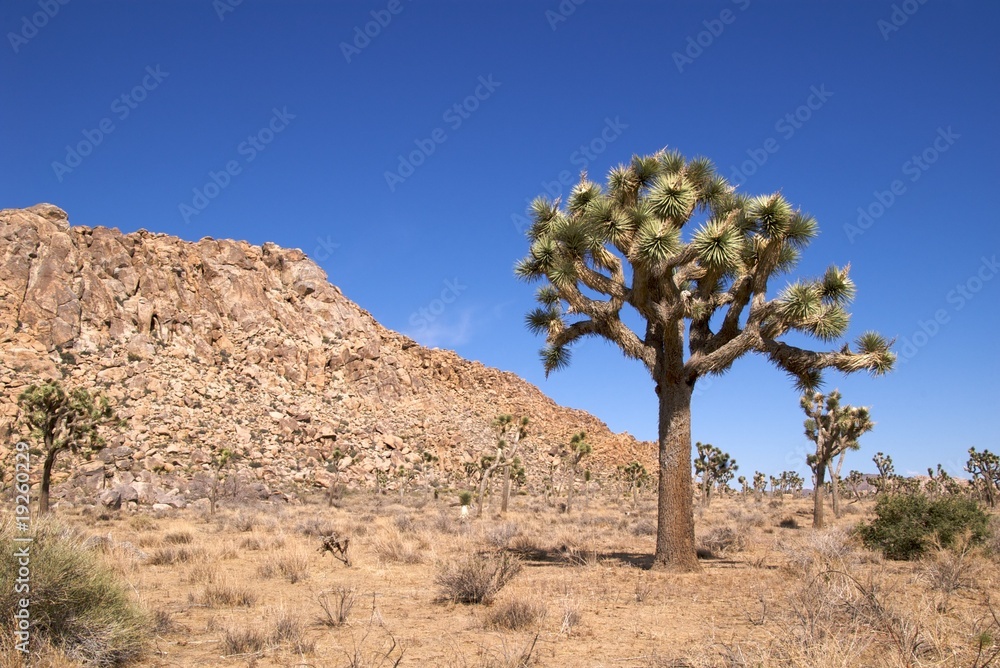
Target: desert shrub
203 573
644 526
293 567
178 538
514 614
78 604
244 521
500 535
404 522
166 556
391 546
478 578
251 543
315 526
336 605
906 525
724 539
226 594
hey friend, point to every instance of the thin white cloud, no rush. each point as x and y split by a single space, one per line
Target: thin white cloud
444 332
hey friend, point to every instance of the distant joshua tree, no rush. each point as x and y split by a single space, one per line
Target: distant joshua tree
985 469
62 421
509 436
578 449
715 467
671 240
835 429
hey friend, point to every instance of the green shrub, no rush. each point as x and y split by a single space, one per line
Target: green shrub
906 525
78 604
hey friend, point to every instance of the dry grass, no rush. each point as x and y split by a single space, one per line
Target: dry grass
478 578
225 594
293 567
514 614
583 594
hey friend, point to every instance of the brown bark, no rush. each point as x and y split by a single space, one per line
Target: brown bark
43 493
675 549
818 520
506 489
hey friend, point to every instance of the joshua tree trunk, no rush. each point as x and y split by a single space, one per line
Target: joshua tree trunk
43 493
675 549
506 489
820 473
484 482
569 494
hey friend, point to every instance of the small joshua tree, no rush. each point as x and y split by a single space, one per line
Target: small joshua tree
854 480
635 477
834 428
509 437
715 467
513 469
985 469
220 462
759 485
62 421
887 481
578 449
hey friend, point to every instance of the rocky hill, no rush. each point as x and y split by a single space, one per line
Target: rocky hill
222 344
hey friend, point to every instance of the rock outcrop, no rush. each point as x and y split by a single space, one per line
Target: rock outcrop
221 344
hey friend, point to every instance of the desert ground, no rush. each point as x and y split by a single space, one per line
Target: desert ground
249 586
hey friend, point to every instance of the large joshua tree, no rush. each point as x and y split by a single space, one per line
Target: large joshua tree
673 241
835 428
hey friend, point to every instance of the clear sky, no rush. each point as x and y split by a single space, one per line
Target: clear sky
398 143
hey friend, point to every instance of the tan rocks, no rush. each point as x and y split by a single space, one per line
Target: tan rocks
219 345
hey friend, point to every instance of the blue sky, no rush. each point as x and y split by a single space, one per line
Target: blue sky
402 161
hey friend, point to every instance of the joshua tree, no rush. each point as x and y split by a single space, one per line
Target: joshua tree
635 477
63 421
835 429
715 468
509 435
759 485
789 481
513 434
744 485
631 244
985 469
887 480
219 462
854 480
579 448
